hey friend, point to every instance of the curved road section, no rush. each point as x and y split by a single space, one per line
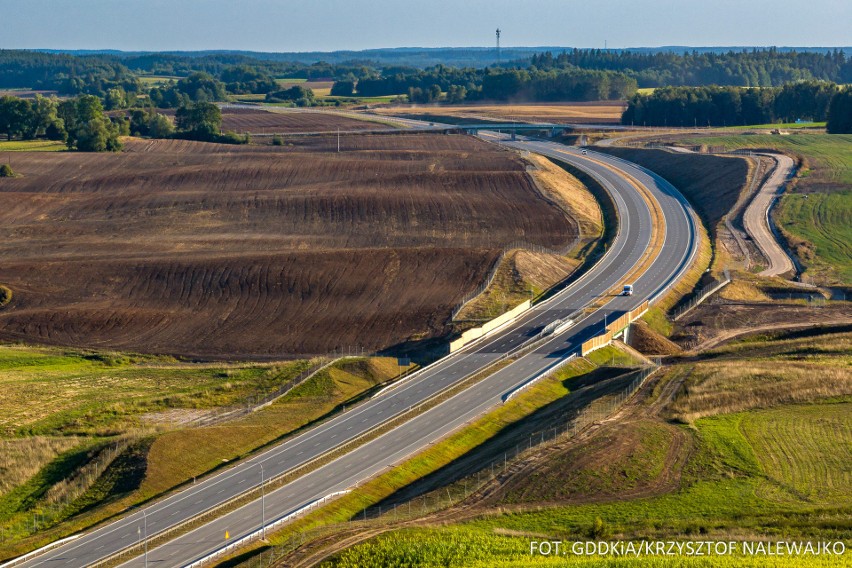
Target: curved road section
414 435
756 217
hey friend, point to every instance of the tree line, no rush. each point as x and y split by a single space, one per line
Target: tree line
83 124
97 74
79 122
470 84
747 68
730 106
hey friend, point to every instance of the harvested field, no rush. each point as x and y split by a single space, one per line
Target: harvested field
597 112
283 121
245 251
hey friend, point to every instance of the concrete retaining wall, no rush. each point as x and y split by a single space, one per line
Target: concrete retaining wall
477 332
613 329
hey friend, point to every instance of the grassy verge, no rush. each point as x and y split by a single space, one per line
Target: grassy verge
740 483
769 470
523 274
733 490
111 456
504 421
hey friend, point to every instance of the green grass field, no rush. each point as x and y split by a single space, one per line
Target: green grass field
745 479
157 80
472 548
83 435
819 226
783 126
30 146
98 394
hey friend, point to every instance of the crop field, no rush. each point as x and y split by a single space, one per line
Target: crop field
594 112
816 217
190 248
258 121
29 146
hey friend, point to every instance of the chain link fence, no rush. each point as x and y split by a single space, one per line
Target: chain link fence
451 495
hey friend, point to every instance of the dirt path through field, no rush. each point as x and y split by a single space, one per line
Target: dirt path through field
756 218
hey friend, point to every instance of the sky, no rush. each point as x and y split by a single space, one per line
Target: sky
328 25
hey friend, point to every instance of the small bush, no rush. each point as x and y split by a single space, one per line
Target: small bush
599 530
277 141
6 171
5 296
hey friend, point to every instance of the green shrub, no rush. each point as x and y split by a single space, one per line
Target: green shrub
6 171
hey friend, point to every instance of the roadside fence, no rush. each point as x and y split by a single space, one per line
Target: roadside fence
568 426
701 294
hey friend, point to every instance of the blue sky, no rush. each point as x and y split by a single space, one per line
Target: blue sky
324 25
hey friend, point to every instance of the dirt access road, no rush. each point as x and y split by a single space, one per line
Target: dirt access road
756 217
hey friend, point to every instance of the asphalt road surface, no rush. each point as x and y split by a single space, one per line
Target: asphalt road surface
393 447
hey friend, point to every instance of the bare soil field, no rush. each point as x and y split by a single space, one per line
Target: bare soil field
258 121
597 112
717 321
211 250
713 184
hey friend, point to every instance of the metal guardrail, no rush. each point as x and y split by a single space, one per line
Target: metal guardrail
515 391
38 551
261 532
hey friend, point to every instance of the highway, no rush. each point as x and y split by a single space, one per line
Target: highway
394 446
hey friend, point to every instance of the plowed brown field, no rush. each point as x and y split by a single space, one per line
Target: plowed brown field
259 251
257 121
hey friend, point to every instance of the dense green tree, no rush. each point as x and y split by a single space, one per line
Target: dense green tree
806 100
746 68
726 106
243 79
202 88
296 94
159 126
456 94
203 121
840 113
343 88
116 98
88 128
15 116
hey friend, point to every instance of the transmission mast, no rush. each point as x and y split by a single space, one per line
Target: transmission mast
498 45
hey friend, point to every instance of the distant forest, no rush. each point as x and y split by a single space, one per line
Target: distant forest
568 75
732 106
750 68
794 83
